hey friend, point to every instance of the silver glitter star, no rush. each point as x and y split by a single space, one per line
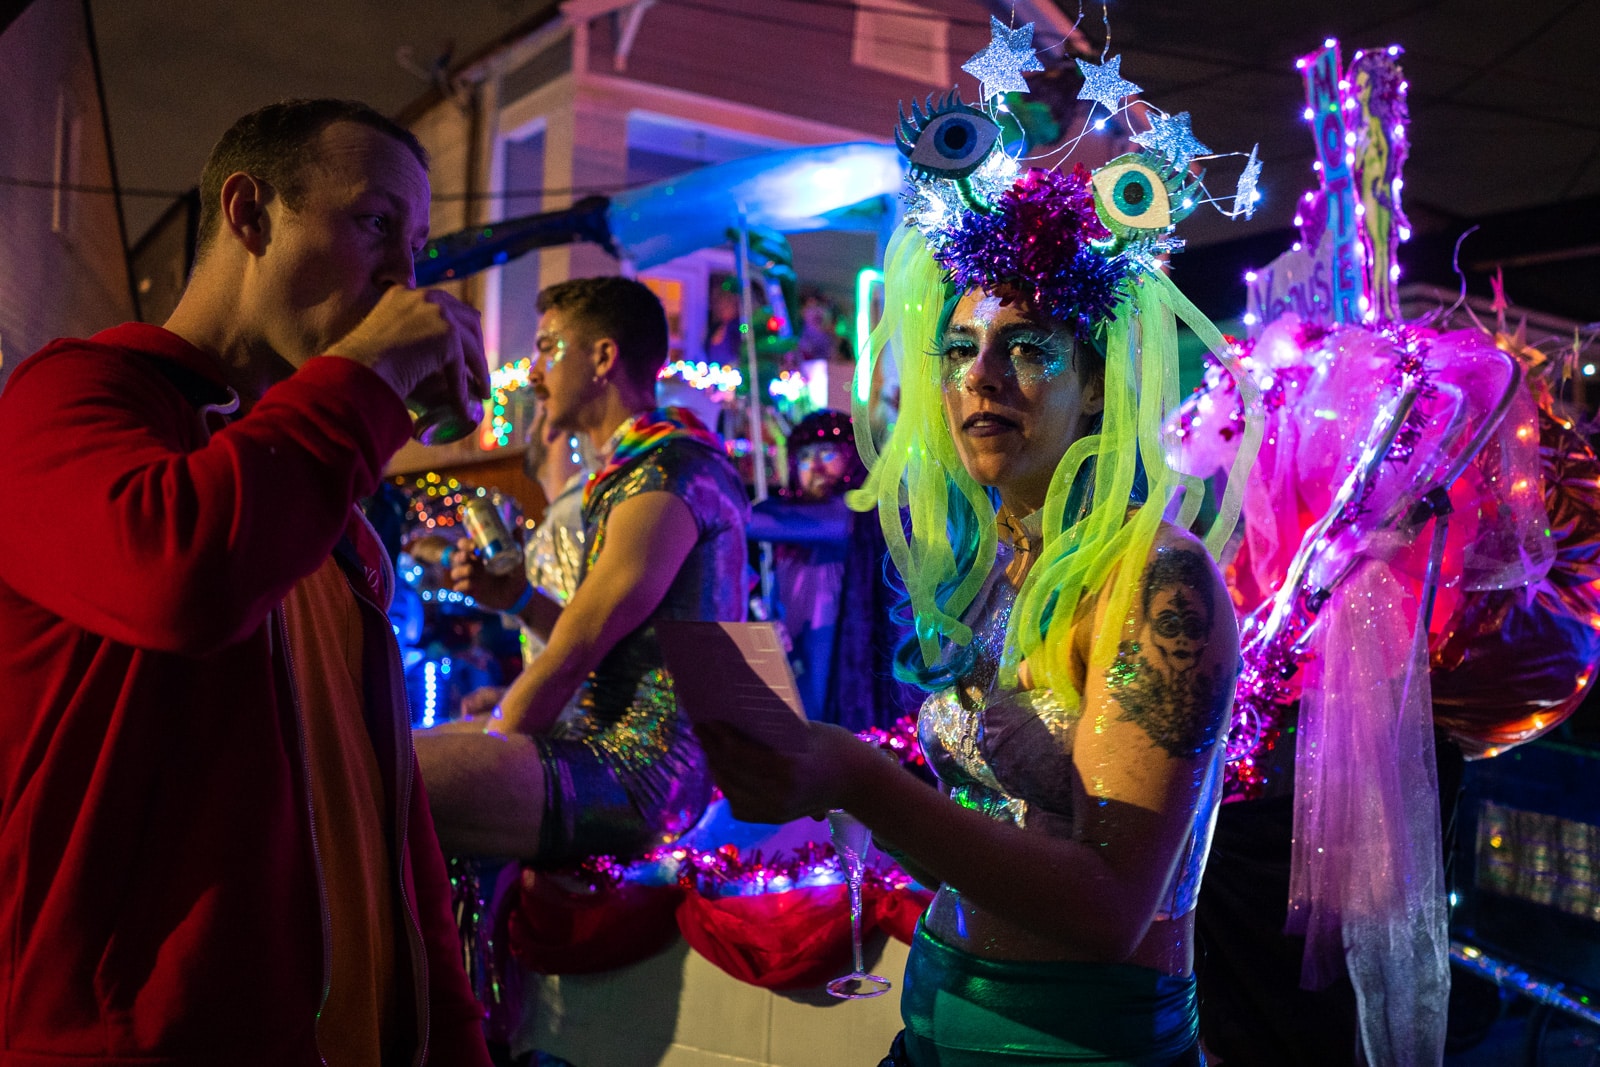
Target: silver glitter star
1104 84
1245 196
1000 66
1170 135
937 208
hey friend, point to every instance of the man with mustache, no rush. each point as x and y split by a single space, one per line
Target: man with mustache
588 753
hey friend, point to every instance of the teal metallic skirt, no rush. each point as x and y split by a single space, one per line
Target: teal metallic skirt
962 1010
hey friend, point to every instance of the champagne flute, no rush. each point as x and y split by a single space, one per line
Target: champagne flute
851 839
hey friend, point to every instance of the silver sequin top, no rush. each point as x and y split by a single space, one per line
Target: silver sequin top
554 556
627 712
1007 752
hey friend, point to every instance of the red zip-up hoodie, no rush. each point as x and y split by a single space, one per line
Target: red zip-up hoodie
160 894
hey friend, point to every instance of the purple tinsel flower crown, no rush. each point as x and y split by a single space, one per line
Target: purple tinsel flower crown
1037 246
1065 243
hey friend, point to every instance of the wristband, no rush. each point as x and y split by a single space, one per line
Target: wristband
444 557
522 601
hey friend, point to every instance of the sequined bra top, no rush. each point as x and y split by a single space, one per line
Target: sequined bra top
1007 752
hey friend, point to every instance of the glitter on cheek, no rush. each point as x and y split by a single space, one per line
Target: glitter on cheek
1032 374
956 369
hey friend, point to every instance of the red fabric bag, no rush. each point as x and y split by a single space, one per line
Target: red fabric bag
799 939
553 929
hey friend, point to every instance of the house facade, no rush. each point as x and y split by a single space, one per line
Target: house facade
63 271
607 95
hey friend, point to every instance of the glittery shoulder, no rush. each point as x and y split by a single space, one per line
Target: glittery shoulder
683 467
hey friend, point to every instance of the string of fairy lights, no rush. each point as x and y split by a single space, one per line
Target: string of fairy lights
719 381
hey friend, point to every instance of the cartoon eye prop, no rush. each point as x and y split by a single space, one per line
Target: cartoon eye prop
1133 196
950 140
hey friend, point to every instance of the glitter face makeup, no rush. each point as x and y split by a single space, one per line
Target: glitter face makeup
1011 397
1034 355
562 375
550 348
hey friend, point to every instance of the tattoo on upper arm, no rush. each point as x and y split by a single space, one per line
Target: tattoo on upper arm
1158 678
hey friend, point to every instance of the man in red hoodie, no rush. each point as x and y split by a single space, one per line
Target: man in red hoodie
214 845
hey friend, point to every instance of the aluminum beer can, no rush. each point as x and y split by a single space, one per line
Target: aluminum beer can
494 543
438 416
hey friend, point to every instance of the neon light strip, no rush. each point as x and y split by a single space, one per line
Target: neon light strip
865 280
